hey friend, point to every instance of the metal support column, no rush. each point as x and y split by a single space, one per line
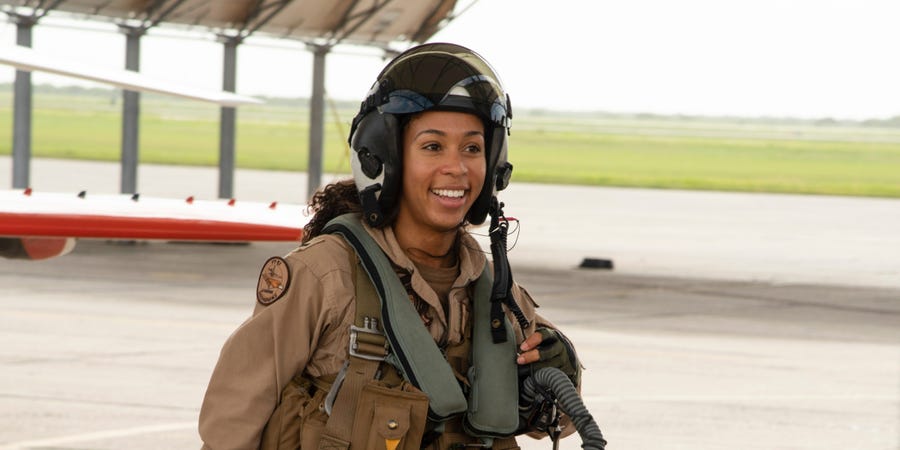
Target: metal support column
316 120
21 151
227 119
131 111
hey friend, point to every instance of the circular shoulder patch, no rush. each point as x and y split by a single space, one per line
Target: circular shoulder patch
274 279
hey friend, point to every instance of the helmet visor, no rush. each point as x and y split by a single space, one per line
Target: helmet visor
443 76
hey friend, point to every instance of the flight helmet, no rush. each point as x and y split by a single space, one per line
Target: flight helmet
435 76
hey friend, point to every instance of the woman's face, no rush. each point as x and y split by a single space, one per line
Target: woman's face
443 169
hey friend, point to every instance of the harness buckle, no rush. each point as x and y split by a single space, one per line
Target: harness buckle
368 342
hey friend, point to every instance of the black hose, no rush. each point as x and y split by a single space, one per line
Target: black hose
501 290
555 381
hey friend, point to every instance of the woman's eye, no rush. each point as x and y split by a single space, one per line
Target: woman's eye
432 147
473 148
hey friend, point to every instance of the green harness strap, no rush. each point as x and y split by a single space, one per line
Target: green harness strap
492 407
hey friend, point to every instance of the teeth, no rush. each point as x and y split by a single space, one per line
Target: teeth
448 193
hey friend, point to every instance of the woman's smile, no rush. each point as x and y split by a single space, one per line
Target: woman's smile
451 198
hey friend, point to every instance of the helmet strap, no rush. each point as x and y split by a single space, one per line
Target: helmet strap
501 292
369 202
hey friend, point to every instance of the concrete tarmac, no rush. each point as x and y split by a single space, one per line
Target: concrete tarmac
781 333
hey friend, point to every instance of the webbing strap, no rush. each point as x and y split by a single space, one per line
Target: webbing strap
367 304
339 426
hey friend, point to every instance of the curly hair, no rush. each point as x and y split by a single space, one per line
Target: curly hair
335 199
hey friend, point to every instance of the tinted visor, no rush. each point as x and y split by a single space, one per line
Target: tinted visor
442 76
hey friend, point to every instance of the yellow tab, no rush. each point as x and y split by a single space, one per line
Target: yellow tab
391 444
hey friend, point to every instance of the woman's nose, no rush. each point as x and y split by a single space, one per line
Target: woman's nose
455 164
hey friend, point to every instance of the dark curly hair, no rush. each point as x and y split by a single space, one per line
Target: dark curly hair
335 199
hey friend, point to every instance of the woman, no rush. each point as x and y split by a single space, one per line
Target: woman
429 157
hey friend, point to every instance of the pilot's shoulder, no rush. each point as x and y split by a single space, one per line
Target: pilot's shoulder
321 254
325 261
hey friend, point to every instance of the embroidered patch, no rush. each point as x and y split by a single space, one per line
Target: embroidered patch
274 280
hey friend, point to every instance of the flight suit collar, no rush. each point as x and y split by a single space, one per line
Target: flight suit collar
471 265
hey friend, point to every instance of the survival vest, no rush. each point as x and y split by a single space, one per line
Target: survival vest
491 409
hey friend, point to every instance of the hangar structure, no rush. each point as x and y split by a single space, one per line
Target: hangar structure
319 24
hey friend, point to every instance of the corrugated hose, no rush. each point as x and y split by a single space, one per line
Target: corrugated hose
554 381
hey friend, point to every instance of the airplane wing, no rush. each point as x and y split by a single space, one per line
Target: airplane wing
35 225
24 58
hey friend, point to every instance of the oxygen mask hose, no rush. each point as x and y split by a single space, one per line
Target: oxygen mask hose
554 381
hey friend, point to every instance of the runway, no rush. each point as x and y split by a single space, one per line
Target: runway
112 345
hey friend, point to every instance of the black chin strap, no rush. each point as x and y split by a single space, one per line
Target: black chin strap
501 293
371 210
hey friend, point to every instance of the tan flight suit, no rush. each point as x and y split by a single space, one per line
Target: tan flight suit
307 329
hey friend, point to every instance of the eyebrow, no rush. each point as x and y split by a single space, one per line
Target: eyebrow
441 133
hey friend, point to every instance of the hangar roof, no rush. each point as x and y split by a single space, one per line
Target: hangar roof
328 22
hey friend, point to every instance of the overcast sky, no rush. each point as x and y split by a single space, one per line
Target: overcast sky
800 58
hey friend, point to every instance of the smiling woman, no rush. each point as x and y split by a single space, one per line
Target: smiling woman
444 168
388 328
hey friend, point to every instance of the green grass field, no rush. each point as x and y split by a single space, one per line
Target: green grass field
592 149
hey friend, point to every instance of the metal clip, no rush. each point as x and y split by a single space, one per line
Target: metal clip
370 326
335 387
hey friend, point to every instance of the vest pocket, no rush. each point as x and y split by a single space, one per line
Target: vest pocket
313 419
283 428
389 419
298 420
